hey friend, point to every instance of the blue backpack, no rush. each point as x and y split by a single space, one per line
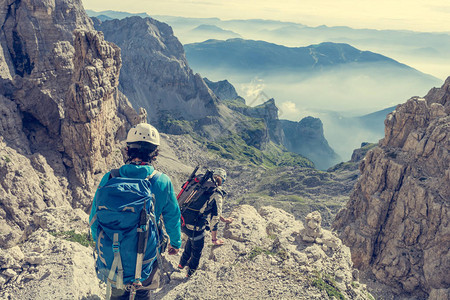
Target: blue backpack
127 234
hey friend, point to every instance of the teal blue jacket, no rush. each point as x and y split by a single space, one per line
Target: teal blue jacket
166 203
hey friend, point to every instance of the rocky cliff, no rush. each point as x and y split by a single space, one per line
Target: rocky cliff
397 220
223 89
306 138
62 114
155 73
156 76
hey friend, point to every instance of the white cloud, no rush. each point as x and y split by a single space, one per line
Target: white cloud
253 92
288 110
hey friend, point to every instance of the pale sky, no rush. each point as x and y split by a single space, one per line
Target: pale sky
417 15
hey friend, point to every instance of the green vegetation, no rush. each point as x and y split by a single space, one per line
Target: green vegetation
370 297
282 253
325 282
236 147
272 236
348 165
70 235
235 104
257 251
7 159
173 125
292 198
369 146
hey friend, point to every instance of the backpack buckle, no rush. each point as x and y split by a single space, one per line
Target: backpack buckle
115 248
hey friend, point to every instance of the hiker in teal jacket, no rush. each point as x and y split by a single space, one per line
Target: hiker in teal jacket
165 200
143 141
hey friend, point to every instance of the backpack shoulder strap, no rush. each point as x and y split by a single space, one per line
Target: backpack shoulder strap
114 173
154 176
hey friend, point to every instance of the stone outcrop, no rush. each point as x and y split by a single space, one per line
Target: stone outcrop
46 263
397 220
155 73
63 114
266 112
224 90
266 255
306 138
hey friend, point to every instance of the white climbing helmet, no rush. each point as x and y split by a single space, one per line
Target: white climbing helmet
143 132
221 173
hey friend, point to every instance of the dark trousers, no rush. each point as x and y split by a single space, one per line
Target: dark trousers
192 253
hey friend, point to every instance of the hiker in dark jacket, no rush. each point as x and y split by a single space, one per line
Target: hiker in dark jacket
142 148
211 213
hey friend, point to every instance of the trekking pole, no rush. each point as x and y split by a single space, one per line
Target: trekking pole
142 231
207 175
187 182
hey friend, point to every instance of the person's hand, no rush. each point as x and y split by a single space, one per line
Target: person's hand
227 220
217 242
171 250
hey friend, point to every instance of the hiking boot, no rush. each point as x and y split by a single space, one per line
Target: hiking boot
190 273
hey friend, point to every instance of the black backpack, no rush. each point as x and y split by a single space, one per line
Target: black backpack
194 195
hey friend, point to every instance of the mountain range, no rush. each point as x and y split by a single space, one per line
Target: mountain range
157 77
64 124
423 50
306 80
259 56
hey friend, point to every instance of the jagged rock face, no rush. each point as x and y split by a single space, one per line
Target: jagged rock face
360 153
306 138
64 116
224 90
266 112
397 220
94 119
36 54
155 73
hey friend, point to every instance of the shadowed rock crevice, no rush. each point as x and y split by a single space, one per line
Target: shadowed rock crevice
20 59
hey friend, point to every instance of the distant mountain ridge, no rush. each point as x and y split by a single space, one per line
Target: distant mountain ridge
253 55
155 75
214 29
111 14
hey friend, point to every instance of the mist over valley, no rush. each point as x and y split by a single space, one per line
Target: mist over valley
337 74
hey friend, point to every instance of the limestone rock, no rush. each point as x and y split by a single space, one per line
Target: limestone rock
9 273
224 90
306 137
61 263
397 219
247 225
313 229
64 116
263 259
16 253
155 73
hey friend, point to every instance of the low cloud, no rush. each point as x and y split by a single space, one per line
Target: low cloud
288 110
